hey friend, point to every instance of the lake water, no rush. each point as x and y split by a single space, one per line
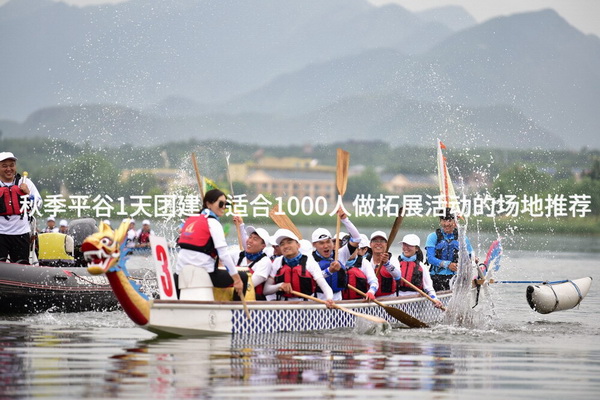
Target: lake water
519 354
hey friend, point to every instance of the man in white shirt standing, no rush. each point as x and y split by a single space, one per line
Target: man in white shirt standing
15 231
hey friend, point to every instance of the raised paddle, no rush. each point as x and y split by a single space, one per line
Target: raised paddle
341 181
283 221
400 315
237 227
395 228
422 293
393 232
371 318
198 179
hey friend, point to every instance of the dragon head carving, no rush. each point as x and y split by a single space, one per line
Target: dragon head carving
101 250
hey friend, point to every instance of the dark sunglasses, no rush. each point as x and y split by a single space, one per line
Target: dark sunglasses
223 204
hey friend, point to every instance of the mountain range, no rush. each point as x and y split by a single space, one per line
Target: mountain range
281 71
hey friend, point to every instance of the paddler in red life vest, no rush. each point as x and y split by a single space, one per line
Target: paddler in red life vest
142 237
295 271
203 244
361 273
413 269
387 269
334 270
255 258
15 231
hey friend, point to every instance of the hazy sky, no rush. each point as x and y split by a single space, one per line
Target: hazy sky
583 14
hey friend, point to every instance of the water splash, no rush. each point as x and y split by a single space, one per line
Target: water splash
460 310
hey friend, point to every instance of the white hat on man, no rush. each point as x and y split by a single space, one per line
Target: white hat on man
262 233
381 234
320 234
7 155
283 234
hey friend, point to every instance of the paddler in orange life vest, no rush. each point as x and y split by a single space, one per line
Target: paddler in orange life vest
255 258
360 273
413 269
387 269
142 237
203 244
334 269
15 231
295 271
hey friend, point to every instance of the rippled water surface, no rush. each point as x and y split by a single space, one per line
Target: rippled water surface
516 353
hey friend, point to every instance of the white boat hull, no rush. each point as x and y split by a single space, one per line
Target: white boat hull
547 298
197 318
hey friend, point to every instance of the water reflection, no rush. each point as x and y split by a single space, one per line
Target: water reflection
187 368
104 362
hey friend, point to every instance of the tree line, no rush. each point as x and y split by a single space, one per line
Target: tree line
81 168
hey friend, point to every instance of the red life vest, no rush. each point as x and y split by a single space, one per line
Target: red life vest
412 272
10 200
387 283
358 279
144 237
258 290
300 279
195 235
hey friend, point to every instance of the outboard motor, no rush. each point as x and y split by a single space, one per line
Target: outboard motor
79 229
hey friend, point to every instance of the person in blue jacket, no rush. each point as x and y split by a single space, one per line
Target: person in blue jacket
442 251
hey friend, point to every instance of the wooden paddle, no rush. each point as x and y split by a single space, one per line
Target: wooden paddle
341 181
198 178
393 233
237 227
283 221
371 318
400 315
422 293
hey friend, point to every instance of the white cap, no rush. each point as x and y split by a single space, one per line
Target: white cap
379 233
7 155
282 234
63 222
306 247
364 241
107 222
131 220
51 218
146 222
262 233
411 239
320 234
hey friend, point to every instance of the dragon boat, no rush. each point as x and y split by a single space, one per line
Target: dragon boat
180 317
59 281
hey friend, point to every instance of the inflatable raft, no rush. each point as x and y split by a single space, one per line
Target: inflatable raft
549 297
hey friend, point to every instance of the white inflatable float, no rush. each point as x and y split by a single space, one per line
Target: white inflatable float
549 297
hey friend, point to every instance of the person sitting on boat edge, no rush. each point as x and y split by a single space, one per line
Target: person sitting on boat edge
295 271
142 236
15 230
203 244
50 225
413 270
360 273
387 269
442 251
131 233
334 268
255 258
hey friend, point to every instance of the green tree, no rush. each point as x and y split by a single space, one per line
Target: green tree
368 182
142 183
522 179
92 175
